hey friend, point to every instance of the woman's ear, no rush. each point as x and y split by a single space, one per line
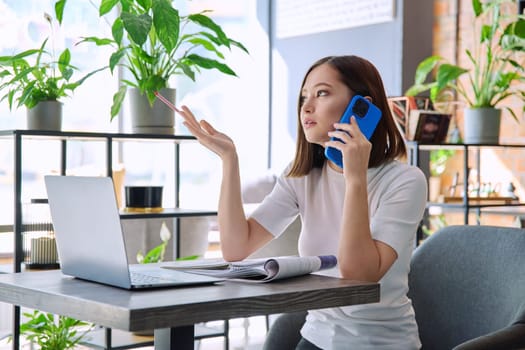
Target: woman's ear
369 99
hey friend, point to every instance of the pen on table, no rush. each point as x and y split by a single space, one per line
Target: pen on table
166 102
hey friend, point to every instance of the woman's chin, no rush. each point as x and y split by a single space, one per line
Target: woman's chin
317 140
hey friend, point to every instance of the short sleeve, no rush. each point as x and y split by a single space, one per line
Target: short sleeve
279 208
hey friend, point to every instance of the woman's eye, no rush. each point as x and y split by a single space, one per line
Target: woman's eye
322 93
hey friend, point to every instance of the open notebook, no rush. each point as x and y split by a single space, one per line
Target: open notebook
90 240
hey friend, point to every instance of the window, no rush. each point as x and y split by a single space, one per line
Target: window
237 106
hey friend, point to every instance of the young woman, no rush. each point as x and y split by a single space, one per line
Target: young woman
365 213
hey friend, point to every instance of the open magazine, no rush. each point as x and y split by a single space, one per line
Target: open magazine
261 270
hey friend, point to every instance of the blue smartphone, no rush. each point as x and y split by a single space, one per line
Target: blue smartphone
367 116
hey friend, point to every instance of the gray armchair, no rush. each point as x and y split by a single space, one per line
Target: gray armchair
467 285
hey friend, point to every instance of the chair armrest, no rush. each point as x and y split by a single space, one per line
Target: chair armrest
508 338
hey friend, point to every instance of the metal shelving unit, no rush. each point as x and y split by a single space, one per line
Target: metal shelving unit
467 205
109 139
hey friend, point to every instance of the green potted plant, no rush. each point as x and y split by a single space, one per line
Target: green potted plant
38 80
496 71
51 332
156 254
438 163
153 42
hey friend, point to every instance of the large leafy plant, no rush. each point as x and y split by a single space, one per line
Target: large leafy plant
35 75
497 61
153 42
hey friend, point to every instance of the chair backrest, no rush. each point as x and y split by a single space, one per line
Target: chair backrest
285 244
467 281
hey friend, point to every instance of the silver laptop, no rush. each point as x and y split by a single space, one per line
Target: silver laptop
90 241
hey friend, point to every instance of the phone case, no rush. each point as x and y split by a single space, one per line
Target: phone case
367 116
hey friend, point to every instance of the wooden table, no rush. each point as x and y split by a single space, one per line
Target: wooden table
172 312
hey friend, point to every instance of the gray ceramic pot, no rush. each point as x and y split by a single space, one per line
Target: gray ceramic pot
481 125
46 115
159 119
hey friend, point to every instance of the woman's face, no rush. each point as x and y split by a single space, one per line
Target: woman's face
323 100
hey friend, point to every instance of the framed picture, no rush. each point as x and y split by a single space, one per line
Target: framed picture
402 106
428 126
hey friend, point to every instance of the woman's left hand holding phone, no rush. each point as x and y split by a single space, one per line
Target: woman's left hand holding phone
354 147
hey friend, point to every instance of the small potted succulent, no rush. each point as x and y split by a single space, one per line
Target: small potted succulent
153 42
38 80
496 71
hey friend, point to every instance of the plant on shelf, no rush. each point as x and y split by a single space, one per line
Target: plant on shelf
156 254
496 71
437 164
33 76
153 42
438 160
51 332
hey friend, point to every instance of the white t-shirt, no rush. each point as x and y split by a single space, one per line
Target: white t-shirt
397 195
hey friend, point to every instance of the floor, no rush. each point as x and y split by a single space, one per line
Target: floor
245 334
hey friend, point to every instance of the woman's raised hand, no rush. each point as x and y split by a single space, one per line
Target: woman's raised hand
206 134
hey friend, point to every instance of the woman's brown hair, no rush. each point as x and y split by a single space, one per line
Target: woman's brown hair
362 78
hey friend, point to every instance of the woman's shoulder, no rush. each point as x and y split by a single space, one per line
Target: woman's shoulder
402 171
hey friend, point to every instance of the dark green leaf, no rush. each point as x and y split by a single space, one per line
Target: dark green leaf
477 7
239 45
10 59
155 254
145 4
97 41
208 63
117 30
425 67
127 5
207 22
187 71
416 89
64 60
81 81
486 34
137 26
106 6
154 83
118 98
447 73
207 45
167 23
59 10
115 59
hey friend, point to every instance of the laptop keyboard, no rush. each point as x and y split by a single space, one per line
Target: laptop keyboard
145 279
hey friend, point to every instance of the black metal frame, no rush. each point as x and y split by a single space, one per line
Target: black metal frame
109 138
415 149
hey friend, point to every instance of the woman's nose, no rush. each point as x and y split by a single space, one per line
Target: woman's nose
307 105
